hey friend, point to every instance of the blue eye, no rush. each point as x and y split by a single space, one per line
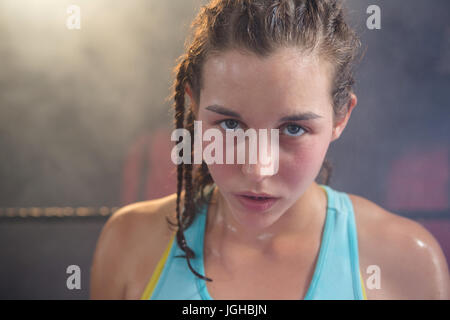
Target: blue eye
293 130
229 124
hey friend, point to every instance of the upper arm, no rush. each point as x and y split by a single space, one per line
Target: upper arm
410 261
417 268
129 242
109 261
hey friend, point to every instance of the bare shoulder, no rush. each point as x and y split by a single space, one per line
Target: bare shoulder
409 259
130 242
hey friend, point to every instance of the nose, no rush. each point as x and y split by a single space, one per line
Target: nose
253 172
263 168
261 154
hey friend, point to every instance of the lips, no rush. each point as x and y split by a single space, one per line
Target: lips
256 196
256 202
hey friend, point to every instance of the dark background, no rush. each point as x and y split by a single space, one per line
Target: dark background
84 124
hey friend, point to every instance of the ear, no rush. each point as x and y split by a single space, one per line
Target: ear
188 91
340 126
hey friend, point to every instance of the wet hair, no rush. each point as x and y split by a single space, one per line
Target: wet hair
259 27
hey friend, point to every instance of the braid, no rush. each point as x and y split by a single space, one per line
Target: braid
260 27
326 172
179 123
189 202
185 219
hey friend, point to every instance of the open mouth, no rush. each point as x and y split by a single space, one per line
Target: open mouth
257 198
254 203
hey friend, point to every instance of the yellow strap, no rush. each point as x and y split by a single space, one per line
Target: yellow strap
363 288
157 273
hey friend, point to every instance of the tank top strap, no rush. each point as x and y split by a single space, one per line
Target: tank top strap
339 276
336 275
176 281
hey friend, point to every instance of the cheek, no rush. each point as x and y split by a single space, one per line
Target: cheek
302 163
222 174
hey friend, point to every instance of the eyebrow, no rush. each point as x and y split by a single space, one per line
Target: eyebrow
295 117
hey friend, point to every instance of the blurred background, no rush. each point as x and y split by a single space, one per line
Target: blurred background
85 125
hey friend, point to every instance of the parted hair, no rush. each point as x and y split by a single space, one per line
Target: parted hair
259 27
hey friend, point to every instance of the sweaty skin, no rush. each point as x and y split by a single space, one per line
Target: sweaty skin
262 91
282 244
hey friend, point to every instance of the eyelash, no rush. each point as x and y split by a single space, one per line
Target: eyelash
287 124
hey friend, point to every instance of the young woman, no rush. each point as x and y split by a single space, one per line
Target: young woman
266 64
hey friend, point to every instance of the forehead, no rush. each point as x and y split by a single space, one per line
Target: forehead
286 78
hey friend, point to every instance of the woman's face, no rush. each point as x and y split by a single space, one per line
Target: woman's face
262 92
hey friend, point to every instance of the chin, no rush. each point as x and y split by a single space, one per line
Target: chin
251 218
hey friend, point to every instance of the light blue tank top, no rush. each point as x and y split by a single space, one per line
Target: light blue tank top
336 275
